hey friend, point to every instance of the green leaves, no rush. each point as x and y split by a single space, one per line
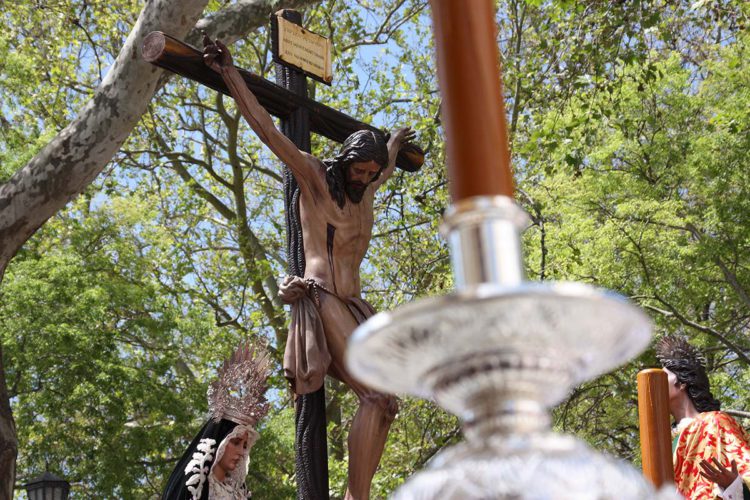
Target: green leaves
654 206
95 348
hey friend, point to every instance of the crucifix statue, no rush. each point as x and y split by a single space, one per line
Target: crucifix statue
335 201
336 210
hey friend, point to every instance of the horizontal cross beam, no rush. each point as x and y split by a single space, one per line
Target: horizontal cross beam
169 53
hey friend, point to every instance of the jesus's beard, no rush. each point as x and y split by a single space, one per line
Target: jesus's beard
355 191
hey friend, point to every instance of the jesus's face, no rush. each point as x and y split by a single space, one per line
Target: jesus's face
359 175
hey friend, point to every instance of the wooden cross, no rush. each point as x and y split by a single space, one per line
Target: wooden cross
299 116
185 60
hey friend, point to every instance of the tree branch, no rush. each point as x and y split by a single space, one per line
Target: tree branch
673 312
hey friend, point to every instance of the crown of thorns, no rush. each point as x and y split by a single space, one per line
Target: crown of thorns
676 351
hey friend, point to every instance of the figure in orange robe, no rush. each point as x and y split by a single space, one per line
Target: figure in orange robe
701 432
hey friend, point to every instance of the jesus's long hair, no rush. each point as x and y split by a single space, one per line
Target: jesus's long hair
361 146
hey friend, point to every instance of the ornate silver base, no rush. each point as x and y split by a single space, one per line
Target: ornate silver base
495 352
498 352
540 467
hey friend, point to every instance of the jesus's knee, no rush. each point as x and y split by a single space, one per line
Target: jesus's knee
386 404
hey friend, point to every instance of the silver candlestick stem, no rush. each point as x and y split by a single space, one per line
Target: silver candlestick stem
499 352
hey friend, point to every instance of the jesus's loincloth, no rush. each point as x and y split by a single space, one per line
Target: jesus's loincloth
306 358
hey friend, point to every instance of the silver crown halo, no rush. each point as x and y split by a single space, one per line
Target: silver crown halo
238 394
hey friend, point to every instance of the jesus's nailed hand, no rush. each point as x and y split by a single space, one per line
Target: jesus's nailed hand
215 54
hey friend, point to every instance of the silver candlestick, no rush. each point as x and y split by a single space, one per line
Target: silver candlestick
499 352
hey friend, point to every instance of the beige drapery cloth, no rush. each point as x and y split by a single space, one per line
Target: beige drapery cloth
306 357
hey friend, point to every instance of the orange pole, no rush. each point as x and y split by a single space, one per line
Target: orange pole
653 417
473 111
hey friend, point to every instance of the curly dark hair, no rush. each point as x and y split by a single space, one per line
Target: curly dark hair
361 146
689 366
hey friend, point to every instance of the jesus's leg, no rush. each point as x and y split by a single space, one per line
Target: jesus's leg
367 435
376 411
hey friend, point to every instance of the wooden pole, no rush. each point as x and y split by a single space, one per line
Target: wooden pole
653 417
473 112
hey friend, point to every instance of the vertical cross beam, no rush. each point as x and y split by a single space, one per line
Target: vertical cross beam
311 460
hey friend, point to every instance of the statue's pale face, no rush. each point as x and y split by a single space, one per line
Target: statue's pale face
235 449
358 176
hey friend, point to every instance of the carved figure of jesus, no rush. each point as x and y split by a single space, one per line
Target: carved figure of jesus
336 212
